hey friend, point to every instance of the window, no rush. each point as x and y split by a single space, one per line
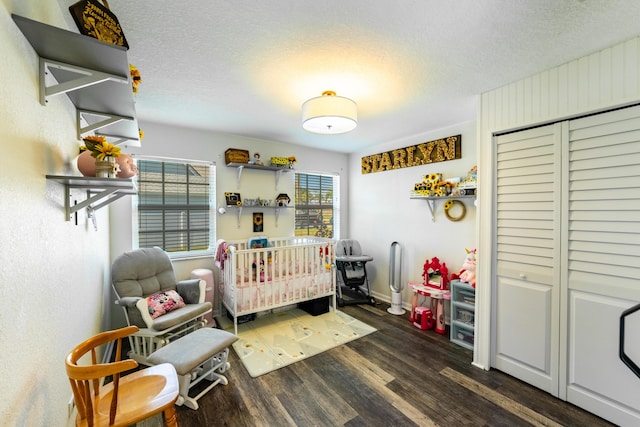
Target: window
174 205
317 202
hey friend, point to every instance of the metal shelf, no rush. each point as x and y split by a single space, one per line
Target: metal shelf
431 201
243 166
93 74
109 189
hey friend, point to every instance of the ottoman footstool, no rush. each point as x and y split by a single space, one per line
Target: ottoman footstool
196 356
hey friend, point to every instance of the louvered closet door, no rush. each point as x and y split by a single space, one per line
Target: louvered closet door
525 320
603 262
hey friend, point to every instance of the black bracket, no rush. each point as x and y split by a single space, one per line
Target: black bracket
626 359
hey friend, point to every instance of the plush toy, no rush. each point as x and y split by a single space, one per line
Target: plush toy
261 271
468 272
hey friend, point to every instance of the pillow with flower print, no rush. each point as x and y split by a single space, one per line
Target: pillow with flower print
163 302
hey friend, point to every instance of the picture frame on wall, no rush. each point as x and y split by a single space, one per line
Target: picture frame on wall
258 222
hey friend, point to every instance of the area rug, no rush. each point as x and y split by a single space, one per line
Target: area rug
279 339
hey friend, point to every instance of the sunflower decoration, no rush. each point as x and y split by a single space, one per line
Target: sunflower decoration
257 222
444 188
100 147
448 208
136 79
433 177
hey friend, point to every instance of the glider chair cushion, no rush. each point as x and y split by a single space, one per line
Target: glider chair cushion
154 301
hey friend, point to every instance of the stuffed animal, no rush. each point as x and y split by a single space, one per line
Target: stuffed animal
468 272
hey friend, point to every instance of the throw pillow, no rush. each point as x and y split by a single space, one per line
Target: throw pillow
163 302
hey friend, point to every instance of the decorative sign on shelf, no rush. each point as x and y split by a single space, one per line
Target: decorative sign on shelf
97 21
234 155
233 199
436 151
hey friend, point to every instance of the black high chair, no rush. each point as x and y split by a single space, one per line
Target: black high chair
354 284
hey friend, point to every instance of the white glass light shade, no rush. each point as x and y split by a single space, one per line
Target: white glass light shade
329 114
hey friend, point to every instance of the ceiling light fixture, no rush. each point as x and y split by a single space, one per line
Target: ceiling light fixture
329 114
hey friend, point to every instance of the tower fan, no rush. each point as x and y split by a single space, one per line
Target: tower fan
395 279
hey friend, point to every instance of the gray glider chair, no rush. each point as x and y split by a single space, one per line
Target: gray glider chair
163 308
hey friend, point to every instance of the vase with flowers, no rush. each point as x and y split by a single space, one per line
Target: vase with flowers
105 154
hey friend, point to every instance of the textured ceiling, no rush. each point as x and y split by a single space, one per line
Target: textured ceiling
412 66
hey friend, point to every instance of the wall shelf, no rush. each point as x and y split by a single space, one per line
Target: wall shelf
243 166
93 74
431 201
103 190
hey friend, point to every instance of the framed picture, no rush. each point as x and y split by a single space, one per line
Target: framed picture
258 224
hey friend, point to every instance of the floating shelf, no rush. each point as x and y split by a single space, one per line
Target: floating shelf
431 201
106 190
276 169
93 74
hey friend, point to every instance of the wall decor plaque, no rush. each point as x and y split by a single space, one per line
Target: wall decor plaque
258 222
234 155
439 150
96 20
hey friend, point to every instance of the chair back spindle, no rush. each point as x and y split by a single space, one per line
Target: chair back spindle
127 398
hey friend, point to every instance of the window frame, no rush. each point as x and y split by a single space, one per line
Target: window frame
335 203
182 254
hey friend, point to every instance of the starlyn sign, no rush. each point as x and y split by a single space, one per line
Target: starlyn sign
436 151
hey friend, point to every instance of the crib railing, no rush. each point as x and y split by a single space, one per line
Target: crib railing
289 271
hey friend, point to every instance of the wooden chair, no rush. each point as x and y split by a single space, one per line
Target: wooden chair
127 399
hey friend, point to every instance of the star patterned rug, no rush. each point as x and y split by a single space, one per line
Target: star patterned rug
279 339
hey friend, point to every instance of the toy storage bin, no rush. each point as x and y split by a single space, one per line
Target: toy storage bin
463 298
464 315
468 297
465 336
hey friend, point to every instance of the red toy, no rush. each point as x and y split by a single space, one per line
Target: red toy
436 275
423 318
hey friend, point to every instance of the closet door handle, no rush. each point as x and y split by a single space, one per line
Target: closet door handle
627 361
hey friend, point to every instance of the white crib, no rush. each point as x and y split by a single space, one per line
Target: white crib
291 270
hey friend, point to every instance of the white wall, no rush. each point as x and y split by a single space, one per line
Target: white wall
381 212
54 273
603 80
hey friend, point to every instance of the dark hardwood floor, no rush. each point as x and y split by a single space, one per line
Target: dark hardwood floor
397 376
